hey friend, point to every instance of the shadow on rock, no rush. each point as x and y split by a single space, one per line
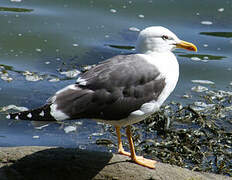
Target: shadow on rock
57 163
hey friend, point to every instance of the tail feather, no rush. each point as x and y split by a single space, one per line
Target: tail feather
39 114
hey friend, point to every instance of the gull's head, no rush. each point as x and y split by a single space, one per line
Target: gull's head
160 39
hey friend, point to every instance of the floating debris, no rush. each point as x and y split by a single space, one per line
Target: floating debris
41 127
35 137
54 80
206 58
31 76
199 88
75 45
71 73
38 50
134 29
201 106
97 134
82 147
220 9
141 16
206 22
79 123
113 10
13 107
203 82
187 96
69 129
218 95
5 76
16 0
195 58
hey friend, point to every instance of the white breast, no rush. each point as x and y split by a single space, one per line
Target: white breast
169 70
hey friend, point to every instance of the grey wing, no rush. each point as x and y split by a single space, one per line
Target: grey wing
111 90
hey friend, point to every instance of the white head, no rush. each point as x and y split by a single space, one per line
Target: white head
160 39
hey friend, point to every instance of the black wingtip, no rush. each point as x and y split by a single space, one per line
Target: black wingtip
39 114
13 116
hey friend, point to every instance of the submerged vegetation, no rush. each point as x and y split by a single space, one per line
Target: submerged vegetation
199 136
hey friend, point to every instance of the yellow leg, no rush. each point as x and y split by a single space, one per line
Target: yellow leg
120 148
138 159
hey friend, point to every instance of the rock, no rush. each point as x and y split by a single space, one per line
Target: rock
47 163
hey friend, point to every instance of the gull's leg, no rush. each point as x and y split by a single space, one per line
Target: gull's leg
138 159
120 148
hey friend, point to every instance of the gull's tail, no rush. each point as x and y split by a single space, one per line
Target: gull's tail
39 114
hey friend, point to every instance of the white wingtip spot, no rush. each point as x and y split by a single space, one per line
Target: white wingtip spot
58 114
8 116
42 113
29 115
81 81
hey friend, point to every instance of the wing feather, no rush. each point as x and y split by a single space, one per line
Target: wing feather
112 90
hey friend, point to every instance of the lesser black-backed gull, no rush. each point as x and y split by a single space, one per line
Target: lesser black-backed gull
122 90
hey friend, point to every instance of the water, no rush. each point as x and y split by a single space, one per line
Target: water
47 37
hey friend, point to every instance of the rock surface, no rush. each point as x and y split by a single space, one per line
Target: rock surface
48 163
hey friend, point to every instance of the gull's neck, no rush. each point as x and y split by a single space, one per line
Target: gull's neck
156 53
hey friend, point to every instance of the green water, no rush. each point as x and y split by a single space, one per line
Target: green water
46 37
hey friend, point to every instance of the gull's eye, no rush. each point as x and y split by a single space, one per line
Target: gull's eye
164 37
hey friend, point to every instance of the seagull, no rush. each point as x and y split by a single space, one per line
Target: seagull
121 90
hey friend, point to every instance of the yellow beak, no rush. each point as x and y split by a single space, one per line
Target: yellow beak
186 45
